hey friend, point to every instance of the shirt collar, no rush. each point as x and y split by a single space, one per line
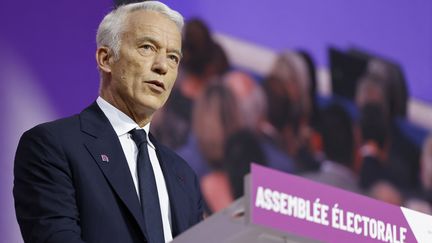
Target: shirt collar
121 122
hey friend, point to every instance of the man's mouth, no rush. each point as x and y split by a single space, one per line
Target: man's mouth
158 84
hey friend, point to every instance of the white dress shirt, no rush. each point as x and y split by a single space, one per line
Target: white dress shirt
122 124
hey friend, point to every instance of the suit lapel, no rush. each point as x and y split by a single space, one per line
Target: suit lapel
105 148
177 191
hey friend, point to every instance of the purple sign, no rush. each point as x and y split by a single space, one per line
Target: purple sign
308 209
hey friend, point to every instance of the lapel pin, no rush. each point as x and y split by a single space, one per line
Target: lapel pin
104 158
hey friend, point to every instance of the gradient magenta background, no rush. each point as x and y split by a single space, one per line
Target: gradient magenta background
51 45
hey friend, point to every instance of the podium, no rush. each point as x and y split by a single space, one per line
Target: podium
232 225
282 208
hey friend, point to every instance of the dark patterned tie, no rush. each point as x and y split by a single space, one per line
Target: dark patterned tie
147 189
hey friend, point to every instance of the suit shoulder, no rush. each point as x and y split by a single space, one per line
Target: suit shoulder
55 127
44 144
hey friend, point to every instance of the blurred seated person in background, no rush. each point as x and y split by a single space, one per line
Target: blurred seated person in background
426 168
315 140
242 148
386 192
252 105
392 78
339 146
289 108
221 188
401 167
374 126
312 87
371 90
288 78
423 196
421 199
215 118
418 205
203 60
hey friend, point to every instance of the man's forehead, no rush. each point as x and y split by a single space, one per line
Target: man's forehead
145 23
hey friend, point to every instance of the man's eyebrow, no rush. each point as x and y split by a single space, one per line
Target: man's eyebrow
156 42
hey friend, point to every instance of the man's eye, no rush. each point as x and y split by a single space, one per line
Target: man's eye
147 47
174 58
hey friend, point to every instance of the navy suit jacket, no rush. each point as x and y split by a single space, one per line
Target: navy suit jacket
65 190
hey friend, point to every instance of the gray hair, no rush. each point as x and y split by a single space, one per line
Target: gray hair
112 26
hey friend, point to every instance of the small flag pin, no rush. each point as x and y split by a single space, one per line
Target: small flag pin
104 158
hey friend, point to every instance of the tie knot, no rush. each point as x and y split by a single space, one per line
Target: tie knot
139 136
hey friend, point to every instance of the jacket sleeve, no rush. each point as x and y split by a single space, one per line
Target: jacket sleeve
45 201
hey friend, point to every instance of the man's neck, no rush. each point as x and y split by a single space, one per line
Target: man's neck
141 118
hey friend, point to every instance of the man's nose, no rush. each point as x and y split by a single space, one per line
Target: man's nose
160 64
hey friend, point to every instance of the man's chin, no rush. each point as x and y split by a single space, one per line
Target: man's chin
150 106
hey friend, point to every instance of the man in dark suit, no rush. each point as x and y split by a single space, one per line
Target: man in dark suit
88 178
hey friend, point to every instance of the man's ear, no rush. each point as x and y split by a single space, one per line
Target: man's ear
104 58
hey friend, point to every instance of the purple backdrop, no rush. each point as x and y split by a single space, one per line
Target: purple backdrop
47 66
47 70
401 30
